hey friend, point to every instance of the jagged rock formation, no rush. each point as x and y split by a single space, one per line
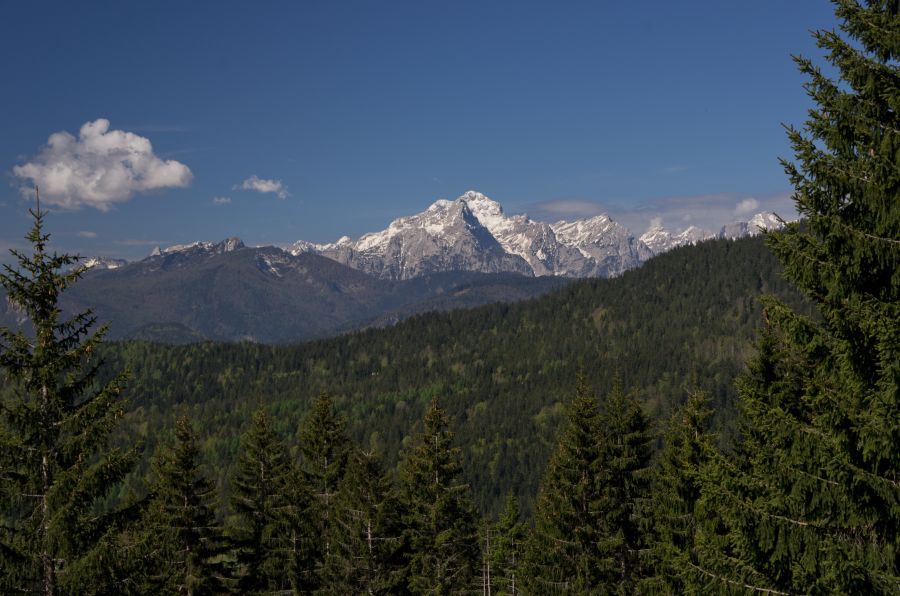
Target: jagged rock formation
472 233
445 237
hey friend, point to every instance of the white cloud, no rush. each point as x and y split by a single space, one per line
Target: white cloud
656 222
87 234
258 184
221 200
99 168
746 207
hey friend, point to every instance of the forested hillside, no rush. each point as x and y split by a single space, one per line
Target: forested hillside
614 436
504 372
230 292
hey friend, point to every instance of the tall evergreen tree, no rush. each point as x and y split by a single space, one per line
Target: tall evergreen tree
624 468
812 503
688 446
507 548
562 553
324 450
187 542
439 515
265 510
56 465
366 533
303 545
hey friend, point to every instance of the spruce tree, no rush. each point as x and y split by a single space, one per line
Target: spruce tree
186 541
507 548
57 470
439 516
688 446
624 478
264 509
366 533
324 450
811 504
303 544
562 553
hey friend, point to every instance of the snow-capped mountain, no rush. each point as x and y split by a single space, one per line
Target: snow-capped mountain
103 263
758 223
472 233
445 237
198 248
763 221
659 240
734 230
534 241
227 245
609 248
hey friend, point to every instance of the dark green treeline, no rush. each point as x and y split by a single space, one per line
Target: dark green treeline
503 373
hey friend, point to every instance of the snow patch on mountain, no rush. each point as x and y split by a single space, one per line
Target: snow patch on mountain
533 241
472 233
228 245
609 247
763 221
659 240
103 263
447 236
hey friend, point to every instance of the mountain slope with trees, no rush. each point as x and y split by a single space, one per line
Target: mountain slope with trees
237 293
684 320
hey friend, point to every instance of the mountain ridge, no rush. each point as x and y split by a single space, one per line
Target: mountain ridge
472 233
435 240
227 291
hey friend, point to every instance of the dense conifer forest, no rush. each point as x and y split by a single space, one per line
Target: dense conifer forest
694 426
504 373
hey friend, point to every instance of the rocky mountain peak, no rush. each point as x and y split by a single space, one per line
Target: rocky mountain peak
590 230
472 233
201 247
488 211
693 235
764 221
230 244
657 239
103 263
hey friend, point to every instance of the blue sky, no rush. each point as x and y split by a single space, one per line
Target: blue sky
366 111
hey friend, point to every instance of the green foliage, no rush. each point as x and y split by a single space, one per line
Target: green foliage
811 502
507 541
56 467
624 482
688 446
324 451
439 516
187 542
591 518
264 510
562 553
503 372
366 533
